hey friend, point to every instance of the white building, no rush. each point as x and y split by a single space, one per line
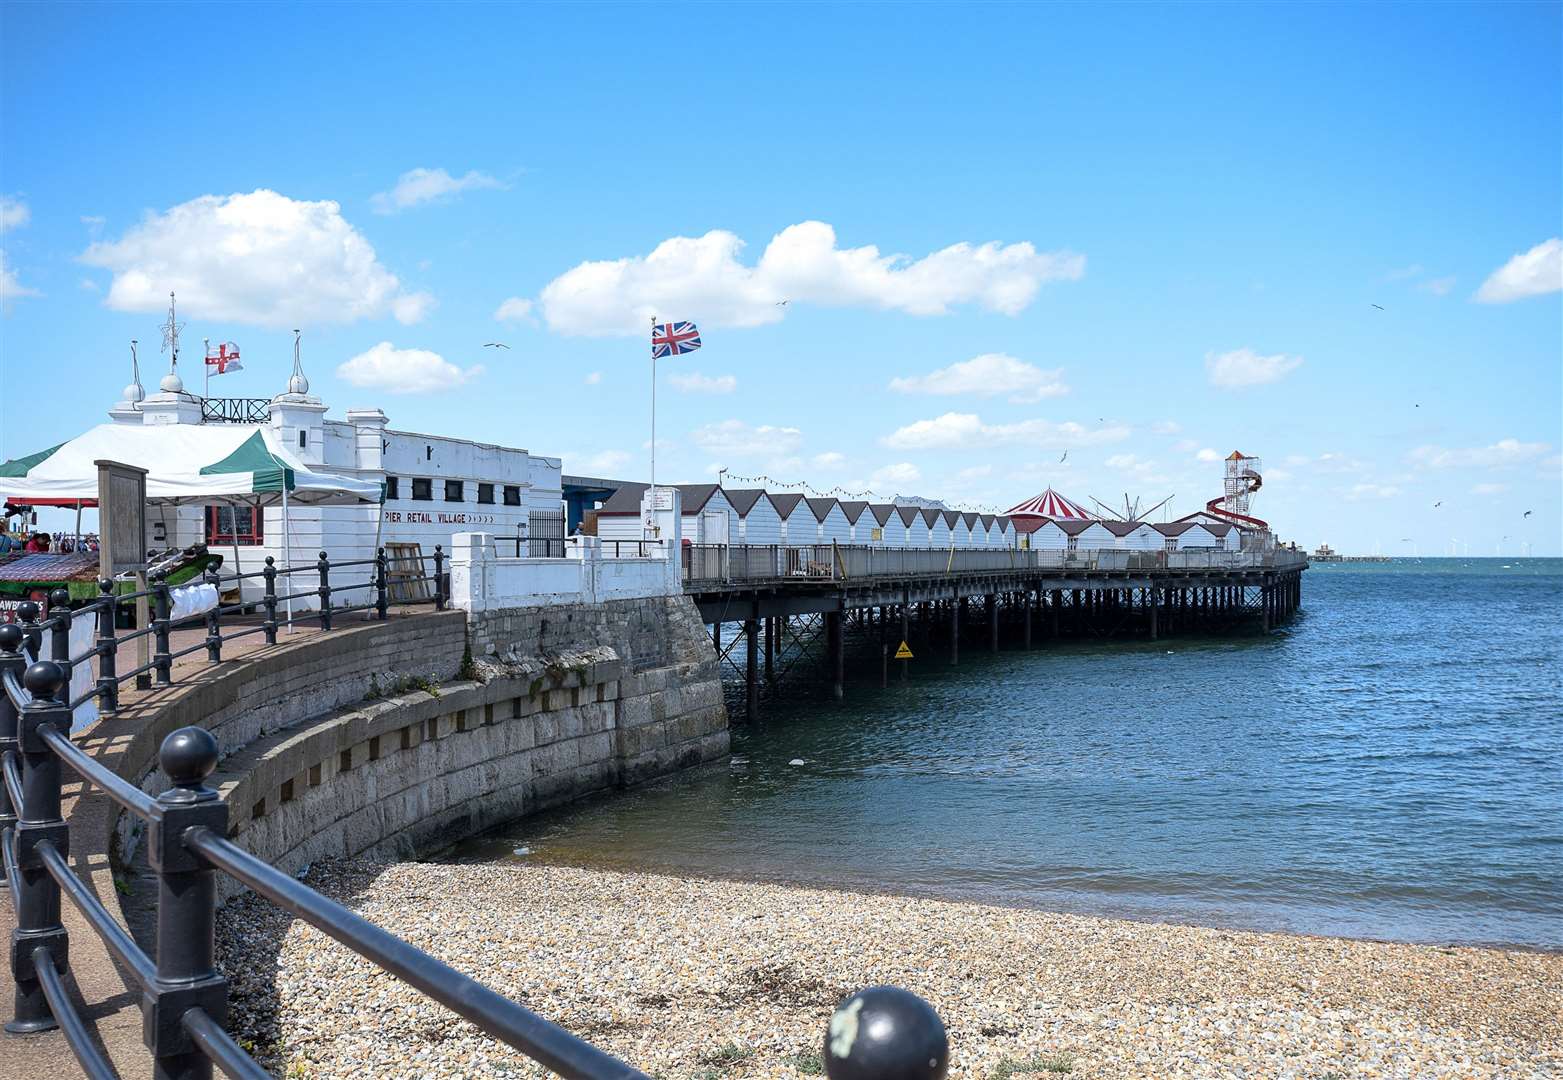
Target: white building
708 517
832 523
801 531
758 522
434 486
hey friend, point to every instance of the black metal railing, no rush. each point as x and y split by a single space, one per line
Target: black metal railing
235 410
385 582
880 1032
529 547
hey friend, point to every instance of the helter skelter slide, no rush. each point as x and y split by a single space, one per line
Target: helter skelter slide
1241 481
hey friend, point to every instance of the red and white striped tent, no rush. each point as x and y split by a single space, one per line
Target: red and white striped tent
1050 504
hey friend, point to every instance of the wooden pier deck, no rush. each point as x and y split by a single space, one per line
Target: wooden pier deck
789 598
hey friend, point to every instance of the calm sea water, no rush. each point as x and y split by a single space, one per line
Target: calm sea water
1387 766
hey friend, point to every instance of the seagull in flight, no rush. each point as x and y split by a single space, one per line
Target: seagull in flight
1062 459
1437 504
495 345
1526 514
783 303
1379 306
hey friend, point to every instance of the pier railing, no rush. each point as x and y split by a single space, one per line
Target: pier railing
362 588
738 563
183 995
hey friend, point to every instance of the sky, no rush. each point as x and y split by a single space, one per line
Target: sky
961 252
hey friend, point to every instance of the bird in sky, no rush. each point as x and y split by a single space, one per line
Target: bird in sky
783 303
1526 514
1062 459
495 345
1379 306
1436 505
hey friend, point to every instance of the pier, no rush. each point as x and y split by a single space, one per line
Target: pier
789 601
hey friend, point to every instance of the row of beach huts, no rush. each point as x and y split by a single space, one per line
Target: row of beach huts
752 516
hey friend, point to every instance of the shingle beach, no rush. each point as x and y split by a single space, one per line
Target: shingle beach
701 979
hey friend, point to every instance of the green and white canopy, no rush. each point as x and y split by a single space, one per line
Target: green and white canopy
185 463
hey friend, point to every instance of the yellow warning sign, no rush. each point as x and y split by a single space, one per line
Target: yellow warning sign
904 652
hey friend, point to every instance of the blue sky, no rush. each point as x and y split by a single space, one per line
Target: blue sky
1156 235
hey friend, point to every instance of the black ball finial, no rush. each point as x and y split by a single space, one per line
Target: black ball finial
27 611
59 598
44 679
11 638
886 1033
188 756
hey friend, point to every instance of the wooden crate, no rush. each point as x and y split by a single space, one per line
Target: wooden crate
405 574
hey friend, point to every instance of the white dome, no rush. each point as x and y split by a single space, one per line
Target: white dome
172 383
297 384
134 393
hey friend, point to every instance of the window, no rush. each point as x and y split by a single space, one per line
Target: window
303 440
485 493
392 488
422 489
242 525
512 495
453 491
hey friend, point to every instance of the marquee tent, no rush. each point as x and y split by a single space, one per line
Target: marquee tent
1050 504
185 463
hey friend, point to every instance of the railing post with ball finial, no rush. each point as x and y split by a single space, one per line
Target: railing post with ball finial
187 977
60 629
214 634
39 936
324 566
108 648
32 632
886 1033
162 659
269 572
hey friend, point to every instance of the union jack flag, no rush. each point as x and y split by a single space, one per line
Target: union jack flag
674 339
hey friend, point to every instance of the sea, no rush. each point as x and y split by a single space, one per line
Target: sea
1389 765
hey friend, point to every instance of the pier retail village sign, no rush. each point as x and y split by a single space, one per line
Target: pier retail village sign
419 517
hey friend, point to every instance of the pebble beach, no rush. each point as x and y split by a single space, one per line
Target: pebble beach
701 979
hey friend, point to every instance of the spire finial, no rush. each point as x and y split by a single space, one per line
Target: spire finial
297 383
171 382
133 393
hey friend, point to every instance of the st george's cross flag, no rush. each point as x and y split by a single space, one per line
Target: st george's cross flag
222 358
673 339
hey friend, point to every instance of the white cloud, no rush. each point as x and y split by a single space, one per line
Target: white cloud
1244 367
975 472
1366 492
1167 427
1183 446
13 213
1501 453
966 430
88 285
1530 273
405 371
94 224
1489 489
1438 286
894 476
515 309
1404 273
702 278
1208 454
737 438
987 376
602 463
420 186
696 383
1296 459
260 258
593 378
830 459
11 287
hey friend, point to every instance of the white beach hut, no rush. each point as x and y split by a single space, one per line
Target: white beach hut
832 521
757 520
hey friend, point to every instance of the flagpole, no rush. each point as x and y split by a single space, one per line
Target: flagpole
206 367
653 412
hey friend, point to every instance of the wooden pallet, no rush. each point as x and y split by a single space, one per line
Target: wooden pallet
405 574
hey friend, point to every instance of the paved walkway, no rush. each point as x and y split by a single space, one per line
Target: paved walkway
106 997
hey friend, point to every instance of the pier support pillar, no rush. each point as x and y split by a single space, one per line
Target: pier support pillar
752 669
1026 604
1151 601
1058 598
836 642
716 637
955 631
770 650
905 625
992 601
